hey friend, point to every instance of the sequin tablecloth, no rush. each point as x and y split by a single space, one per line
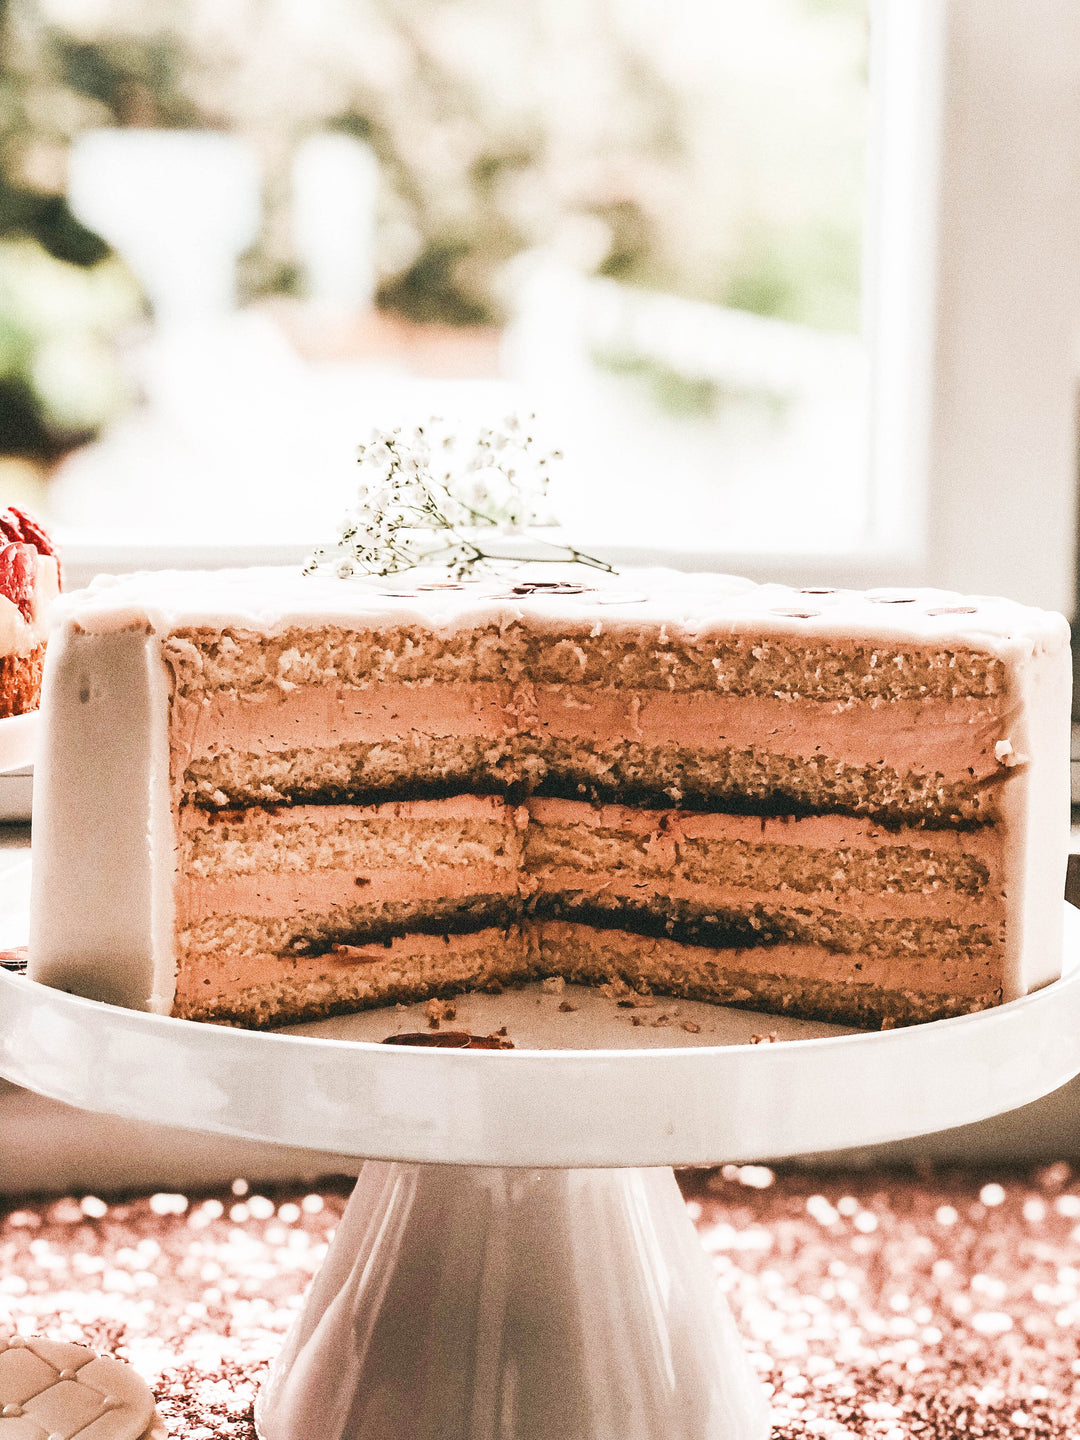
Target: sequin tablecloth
884 1305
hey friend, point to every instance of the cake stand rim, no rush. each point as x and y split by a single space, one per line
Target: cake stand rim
18 740
533 1108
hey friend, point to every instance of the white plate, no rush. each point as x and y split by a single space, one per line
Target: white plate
663 1097
18 740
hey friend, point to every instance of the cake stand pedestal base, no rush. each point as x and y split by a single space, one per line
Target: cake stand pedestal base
462 1303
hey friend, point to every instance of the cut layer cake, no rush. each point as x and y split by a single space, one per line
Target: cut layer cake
264 797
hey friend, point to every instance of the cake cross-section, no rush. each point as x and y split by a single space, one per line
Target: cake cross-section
264 797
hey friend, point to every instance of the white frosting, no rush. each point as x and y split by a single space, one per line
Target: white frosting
269 600
1036 814
104 856
104 851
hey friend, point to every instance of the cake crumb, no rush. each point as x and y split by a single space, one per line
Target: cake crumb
1005 755
352 952
664 1019
553 985
625 997
769 1039
568 1009
439 1010
691 1027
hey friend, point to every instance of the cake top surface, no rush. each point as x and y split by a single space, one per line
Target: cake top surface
268 601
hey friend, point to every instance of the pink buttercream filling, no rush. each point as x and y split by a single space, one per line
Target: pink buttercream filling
486 808
829 832
930 974
273 894
622 886
953 739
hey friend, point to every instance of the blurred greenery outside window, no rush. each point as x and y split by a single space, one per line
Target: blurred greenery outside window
636 147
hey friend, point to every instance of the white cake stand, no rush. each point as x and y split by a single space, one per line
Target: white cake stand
18 740
515 1262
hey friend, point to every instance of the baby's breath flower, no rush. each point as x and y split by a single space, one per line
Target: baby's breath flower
425 497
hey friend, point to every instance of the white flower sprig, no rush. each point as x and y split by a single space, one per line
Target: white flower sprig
426 496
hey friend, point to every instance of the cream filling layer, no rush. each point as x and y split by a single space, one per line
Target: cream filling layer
482 808
330 895
579 950
369 974
954 739
617 886
665 828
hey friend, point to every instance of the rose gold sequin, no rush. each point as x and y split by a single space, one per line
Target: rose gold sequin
864 1312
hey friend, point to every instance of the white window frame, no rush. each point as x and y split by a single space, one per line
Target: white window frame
1000 472
972 303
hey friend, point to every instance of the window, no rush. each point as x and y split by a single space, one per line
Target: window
794 283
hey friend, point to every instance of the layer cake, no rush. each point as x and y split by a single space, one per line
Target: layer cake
264 797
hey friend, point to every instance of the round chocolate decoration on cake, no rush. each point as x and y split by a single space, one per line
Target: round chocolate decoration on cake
450 1040
549 587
